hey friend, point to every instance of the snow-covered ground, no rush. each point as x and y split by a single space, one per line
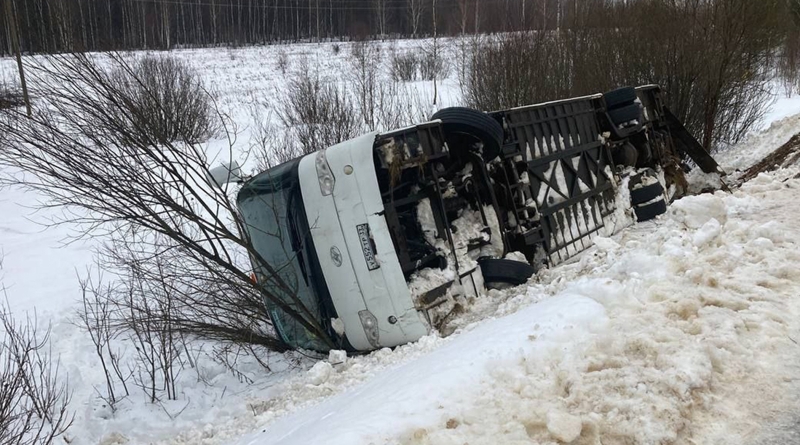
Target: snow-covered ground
682 330
780 123
679 330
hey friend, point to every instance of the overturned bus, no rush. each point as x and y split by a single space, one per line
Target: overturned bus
383 236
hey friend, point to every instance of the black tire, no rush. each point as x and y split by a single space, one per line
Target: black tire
650 211
625 114
505 271
620 96
646 193
458 122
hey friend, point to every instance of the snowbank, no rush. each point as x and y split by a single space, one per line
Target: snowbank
757 146
398 399
680 329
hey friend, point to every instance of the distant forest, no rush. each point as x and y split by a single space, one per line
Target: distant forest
49 26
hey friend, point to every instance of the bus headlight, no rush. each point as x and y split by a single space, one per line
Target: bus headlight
324 174
370 325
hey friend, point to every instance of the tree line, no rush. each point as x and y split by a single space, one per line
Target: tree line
52 26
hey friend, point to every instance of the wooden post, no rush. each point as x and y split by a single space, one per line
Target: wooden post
435 56
11 18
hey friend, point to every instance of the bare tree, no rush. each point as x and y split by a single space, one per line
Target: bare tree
414 15
117 180
434 55
463 10
67 25
381 16
477 15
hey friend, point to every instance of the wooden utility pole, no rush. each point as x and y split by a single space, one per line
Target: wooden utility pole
11 18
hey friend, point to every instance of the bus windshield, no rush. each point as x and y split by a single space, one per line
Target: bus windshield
273 213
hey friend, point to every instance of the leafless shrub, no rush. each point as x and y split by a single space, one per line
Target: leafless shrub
34 399
713 57
174 295
382 104
501 73
365 81
142 311
154 202
97 318
165 98
318 114
463 53
228 356
282 61
160 305
392 109
404 66
270 143
788 63
432 65
10 94
150 327
400 105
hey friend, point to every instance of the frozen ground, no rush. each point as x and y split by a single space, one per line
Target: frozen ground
681 330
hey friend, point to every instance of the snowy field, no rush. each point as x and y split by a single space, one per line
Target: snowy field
680 330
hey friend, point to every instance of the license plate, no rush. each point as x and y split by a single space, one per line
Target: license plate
366 247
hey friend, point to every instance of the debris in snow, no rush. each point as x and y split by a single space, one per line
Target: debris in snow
564 427
468 227
320 373
695 211
337 357
788 154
